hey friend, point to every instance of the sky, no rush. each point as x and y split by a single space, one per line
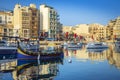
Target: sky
73 12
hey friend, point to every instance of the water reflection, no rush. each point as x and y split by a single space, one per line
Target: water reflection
96 50
8 69
30 69
50 69
84 54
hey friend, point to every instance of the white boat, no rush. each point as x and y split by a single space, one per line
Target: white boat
74 45
29 47
7 51
96 45
64 44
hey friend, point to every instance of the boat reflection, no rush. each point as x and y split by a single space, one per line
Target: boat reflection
96 50
48 68
32 70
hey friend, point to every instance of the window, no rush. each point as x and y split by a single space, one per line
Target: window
5 30
25 31
34 14
0 19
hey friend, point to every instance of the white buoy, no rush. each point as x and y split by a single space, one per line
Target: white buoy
70 61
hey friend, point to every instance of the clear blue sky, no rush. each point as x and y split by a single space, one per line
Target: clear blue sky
74 12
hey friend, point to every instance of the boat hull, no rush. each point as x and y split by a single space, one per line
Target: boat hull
8 53
22 55
50 56
97 47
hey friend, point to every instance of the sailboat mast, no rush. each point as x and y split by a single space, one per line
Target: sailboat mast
38 39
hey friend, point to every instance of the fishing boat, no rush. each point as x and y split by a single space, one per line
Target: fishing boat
64 44
74 45
7 51
96 45
50 51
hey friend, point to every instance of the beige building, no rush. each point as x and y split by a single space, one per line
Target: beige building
26 21
113 29
67 29
109 30
97 31
81 29
49 20
6 24
116 28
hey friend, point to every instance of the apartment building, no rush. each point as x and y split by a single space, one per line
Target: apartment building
6 24
109 30
113 29
67 29
26 21
116 28
81 29
49 21
97 31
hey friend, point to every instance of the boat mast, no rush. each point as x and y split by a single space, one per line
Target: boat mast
38 39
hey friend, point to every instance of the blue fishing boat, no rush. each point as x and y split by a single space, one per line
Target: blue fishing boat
7 51
50 51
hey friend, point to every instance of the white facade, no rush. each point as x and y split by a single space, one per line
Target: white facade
48 20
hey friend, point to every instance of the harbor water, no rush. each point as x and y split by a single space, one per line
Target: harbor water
74 64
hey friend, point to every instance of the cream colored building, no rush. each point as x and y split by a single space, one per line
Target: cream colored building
97 31
49 20
109 30
6 24
81 29
26 21
67 29
113 29
116 28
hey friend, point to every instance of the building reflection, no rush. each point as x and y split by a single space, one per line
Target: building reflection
31 69
46 70
110 55
113 57
8 67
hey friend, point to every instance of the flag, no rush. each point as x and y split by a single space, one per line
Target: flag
66 34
